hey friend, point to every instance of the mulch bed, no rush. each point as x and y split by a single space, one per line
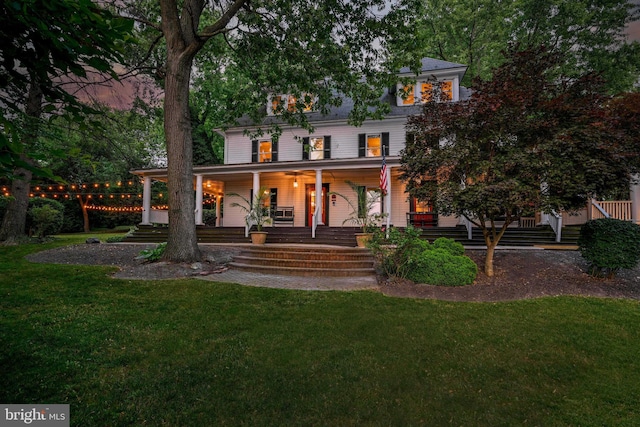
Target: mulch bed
519 274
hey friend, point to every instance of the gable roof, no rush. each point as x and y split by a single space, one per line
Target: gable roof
431 64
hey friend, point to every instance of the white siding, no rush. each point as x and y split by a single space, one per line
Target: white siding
344 140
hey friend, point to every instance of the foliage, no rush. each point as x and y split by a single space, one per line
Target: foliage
396 255
362 214
588 34
257 212
45 220
405 255
209 217
609 245
440 267
116 239
153 254
523 141
128 353
48 44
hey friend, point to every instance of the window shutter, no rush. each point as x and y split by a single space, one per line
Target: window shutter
362 145
254 151
274 150
327 147
305 148
410 138
412 204
385 143
273 202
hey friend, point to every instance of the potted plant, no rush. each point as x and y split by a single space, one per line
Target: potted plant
257 214
361 214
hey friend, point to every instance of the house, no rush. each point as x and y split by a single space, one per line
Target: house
302 169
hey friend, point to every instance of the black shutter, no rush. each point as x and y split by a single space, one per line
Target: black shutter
410 138
385 143
274 150
305 148
327 147
412 204
254 151
273 202
362 145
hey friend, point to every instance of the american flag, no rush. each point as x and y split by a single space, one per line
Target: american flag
384 184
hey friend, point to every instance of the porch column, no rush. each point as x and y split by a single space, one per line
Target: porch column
199 200
387 199
146 202
319 200
635 199
218 211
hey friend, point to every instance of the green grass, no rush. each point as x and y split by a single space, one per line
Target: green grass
196 353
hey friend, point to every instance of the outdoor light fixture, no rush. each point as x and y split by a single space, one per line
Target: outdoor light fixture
295 181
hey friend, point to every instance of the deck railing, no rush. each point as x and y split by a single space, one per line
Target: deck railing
555 221
617 209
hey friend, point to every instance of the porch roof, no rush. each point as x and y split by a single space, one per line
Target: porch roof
233 171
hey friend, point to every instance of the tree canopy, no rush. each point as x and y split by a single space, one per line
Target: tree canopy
525 141
588 34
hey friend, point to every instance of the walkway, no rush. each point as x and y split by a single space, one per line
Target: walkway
295 282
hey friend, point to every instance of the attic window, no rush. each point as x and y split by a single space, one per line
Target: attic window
424 92
278 103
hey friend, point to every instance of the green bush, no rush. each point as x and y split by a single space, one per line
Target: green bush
209 217
153 255
609 245
449 245
395 254
45 220
440 267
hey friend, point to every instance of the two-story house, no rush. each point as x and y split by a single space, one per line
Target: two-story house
297 163
301 169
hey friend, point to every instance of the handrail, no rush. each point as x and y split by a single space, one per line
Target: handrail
249 222
469 225
600 208
555 221
314 221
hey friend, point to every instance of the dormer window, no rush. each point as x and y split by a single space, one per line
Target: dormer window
280 102
424 91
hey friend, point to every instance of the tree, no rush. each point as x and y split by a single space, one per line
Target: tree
524 141
589 34
43 45
272 42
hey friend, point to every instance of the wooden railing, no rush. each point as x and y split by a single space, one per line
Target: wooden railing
618 209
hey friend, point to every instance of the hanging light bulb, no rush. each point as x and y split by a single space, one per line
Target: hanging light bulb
295 181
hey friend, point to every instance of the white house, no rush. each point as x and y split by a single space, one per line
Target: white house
296 164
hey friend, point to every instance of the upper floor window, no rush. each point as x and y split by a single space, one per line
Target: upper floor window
425 92
372 144
264 150
316 148
289 103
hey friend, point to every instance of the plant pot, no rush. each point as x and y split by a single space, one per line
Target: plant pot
362 239
258 237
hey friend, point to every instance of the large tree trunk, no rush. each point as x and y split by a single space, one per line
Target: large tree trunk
85 214
182 245
15 218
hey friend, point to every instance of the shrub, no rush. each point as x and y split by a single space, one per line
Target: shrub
154 254
609 245
395 254
449 245
440 267
45 220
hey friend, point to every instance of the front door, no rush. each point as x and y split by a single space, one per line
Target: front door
310 191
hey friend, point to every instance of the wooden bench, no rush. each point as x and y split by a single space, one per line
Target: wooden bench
283 215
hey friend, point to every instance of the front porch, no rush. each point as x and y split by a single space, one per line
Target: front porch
345 236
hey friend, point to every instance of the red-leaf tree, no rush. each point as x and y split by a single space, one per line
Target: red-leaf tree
526 140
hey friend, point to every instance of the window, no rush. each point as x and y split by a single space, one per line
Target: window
372 144
427 91
289 102
408 95
264 150
316 148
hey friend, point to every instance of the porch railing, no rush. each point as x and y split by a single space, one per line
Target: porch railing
555 221
249 222
469 226
314 221
617 209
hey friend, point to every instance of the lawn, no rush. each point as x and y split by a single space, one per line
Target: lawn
196 353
